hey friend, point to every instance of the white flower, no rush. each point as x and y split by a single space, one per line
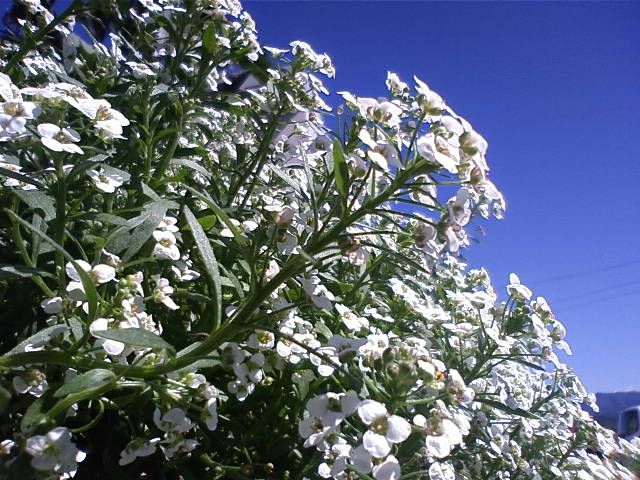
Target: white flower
261 340
325 360
441 471
284 216
54 452
361 460
516 289
10 182
436 150
183 272
429 101
59 139
241 388
350 319
106 119
138 447
174 421
14 115
52 305
472 143
99 274
271 271
33 381
384 429
174 443
107 182
211 417
246 226
388 469
317 293
112 347
166 246
6 446
331 408
162 294
168 224
442 434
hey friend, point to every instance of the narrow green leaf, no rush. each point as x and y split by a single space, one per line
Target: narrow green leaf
38 200
193 166
85 165
42 336
234 281
20 177
87 282
208 221
33 416
519 412
87 380
8 272
224 218
143 226
340 172
288 180
209 261
137 337
5 398
209 39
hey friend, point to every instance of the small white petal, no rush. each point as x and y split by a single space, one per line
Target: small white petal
387 470
376 444
369 410
398 429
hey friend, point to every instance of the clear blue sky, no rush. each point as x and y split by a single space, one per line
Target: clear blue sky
555 89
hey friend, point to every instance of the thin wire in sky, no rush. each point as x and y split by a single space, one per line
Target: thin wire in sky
596 292
606 299
585 273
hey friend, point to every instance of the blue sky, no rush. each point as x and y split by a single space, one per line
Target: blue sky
555 89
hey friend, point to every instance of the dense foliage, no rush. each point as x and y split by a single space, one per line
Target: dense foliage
198 279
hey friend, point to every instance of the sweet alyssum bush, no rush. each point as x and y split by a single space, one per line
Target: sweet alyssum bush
198 279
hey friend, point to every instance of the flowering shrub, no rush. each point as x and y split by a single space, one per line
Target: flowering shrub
199 279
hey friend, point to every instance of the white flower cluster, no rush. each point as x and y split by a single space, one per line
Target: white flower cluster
228 289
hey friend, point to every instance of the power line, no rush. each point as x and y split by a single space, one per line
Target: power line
584 273
597 300
597 291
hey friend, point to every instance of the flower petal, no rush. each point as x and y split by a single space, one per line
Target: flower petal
387 470
376 444
369 410
398 429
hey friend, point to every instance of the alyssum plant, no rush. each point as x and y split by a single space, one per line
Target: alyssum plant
199 280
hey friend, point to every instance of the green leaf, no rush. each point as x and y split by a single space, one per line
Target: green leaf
235 282
38 201
209 38
42 336
21 178
87 380
5 398
323 330
340 173
9 272
209 261
137 337
193 166
519 412
288 180
224 218
87 282
142 228
208 221
33 416
85 165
